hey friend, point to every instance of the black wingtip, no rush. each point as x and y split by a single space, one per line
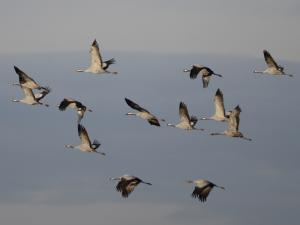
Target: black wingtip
219 92
238 108
17 69
80 127
95 42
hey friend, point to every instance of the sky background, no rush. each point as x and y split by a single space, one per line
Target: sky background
152 41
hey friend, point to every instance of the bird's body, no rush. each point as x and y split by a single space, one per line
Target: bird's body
233 125
202 189
142 113
272 67
206 73
186 122
97 65
33 99
127 183
85 145
219 114
80 108
27 81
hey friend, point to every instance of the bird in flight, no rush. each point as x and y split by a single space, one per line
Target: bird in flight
127 184
85 145
142 113
80 108
233 125
206 73
32 99
202 189
272 67
186 122
220 114
97 65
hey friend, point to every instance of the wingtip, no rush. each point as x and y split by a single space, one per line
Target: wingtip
219 92
95 42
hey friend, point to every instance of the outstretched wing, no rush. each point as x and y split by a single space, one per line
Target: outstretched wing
96 59
195 71
269 60
83 135
135 106
219 104
154 121
24 78
28 93
39 96
126 187
183 113
201 193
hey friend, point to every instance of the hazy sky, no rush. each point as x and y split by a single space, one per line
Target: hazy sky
44 183
211 27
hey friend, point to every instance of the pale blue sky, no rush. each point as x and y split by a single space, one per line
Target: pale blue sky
44 183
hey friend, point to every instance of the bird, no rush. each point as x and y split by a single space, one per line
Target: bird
220 114
127 183
272 67
186 122
97 65
80 108
233 125
202 188
206 73
33 99
27 81
142 113
85 145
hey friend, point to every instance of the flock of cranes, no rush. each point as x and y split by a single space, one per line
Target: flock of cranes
34 93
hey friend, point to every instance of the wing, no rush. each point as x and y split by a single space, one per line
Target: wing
23 77
83 135
135 106
69 103
64 104
126 187
195 71
183 113
233 122
206 71
29 96
96 144
205 81
219 104
194 120
96 59
269 60
39 96
154 121
201 193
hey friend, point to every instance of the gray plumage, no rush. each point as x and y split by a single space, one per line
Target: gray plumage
97 65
